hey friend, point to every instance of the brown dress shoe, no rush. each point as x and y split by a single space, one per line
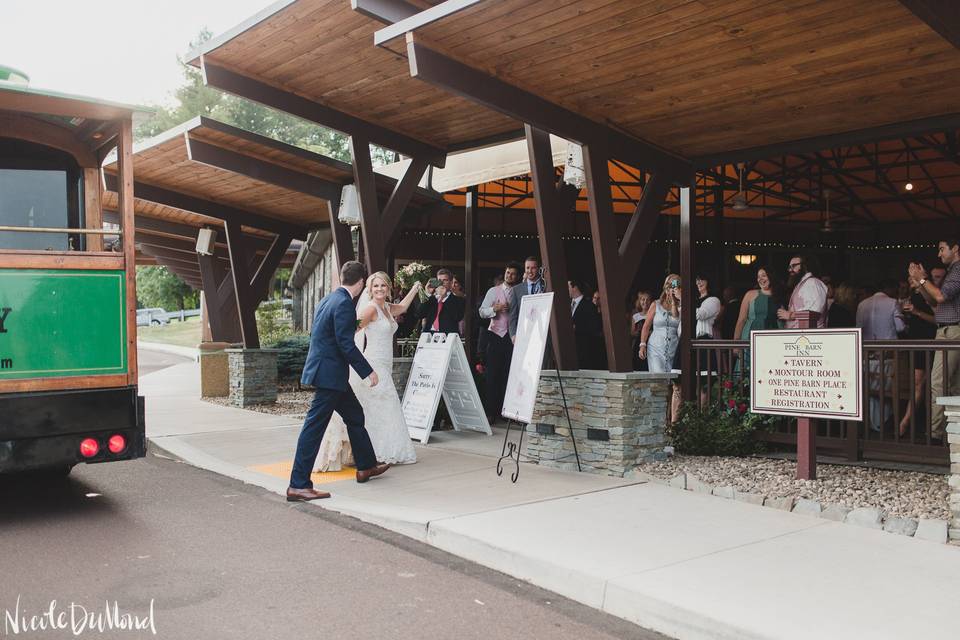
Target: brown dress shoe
303 495
366 474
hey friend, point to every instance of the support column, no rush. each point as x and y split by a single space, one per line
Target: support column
469 268
125 205
549 213
688 311
610 274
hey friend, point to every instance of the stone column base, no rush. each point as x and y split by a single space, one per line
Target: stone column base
619 420
214 370
952 410
253 376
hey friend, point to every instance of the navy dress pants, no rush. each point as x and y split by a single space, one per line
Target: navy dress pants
325 402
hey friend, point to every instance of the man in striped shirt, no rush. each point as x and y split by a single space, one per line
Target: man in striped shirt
945 375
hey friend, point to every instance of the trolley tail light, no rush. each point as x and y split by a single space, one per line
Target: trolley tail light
117 443
89 447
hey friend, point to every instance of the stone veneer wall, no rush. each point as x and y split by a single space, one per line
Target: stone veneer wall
629 408
253 376
952 406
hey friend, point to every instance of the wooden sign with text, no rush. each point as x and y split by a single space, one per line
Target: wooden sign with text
808 373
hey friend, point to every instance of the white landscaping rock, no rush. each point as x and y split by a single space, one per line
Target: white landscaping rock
807 507
932 530
900 526
724 492
868 517
784 504
749 498
694 484
836 512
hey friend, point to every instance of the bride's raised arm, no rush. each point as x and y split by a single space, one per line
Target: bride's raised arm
403 305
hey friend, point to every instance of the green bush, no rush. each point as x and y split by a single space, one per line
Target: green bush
292 356
723 427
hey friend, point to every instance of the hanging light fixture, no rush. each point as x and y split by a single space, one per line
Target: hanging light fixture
740 200
745 259
826 228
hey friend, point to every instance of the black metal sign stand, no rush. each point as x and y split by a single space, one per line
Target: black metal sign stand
512 450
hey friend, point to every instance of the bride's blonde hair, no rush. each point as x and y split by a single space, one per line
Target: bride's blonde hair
386 279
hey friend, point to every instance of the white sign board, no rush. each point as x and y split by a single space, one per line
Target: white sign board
808 373
440 368
527 361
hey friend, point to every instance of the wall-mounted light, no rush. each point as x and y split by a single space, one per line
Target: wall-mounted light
745 259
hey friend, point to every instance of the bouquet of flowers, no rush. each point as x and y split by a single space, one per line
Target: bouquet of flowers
413 272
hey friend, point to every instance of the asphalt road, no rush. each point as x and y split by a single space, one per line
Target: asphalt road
221 559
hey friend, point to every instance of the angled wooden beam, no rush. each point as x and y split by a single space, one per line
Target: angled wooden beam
642 225
251 89
261 170
385 11
460 79
180 246
145 223
212 274
370 223
940 15
260 283
246 302
610 277
551 246
392 217
187 202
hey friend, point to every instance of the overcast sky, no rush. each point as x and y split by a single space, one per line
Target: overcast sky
123 50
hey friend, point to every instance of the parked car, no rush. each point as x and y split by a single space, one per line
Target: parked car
154 316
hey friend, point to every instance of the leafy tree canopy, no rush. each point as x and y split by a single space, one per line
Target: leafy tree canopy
193 98
158 287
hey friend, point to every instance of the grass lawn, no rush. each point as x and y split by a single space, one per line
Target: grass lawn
183 334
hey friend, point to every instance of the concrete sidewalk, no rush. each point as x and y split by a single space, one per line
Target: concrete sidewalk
685 564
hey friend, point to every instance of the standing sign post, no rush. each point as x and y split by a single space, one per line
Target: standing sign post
440 368
523 381
807 373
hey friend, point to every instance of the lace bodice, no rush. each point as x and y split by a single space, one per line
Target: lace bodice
378 336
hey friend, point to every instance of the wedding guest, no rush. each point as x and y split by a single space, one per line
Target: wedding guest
587 332
496 337
921 325
880 318
659 337
842 304
730 314
808 293
443 311
456 288
945 298
596 301
532 283
641 305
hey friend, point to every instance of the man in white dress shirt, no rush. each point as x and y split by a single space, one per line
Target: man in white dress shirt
499 348
809 293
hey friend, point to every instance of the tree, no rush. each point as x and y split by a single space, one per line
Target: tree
158 287
194 99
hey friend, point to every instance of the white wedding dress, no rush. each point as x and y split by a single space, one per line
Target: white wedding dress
381 404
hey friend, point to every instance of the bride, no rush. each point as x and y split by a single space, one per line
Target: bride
381 404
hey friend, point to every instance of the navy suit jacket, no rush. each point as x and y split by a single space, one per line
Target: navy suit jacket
332 349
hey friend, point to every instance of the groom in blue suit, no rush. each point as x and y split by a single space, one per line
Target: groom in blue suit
332 352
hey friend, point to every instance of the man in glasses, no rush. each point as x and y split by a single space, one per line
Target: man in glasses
808 293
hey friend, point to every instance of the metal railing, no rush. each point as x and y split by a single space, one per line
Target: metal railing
897 398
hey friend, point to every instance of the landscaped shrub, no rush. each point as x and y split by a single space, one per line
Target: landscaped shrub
293 354
723 427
